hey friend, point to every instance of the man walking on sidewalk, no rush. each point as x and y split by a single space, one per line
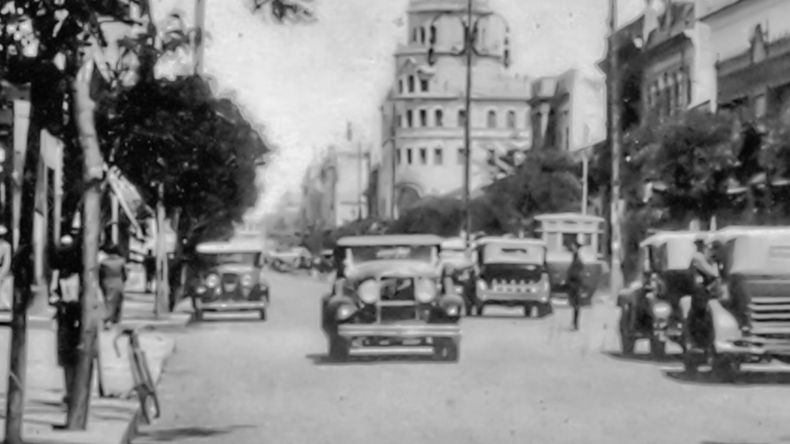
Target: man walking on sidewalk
6 282
65 297
112 277
574 280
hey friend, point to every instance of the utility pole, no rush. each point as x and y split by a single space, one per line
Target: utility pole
467 124
615 140
200 25
359 180
393 159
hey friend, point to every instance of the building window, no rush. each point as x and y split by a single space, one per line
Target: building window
398 156
461 117
511 119
423 118
400 86
491 121
408 156
411 84
433 34
567 138
422 35
399 120
460 157
423 156
414 34
424 85
409 118
438 156
679 89
438 117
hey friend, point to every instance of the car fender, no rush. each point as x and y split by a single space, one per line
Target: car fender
626 297
725 326
451 299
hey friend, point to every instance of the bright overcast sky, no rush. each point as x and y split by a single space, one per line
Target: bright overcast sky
304 82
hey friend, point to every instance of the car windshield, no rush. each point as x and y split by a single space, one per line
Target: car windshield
424 253
229 258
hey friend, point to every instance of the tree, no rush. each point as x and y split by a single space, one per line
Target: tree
442 216
693 157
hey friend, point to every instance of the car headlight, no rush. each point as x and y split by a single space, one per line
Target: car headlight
661 310
425 291
452 310
344 312
200 289
369 291
481 284
246 281
459 289
212 281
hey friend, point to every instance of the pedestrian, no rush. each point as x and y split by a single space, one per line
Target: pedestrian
574 281
6 279
149 263
705 274
112 279
65 289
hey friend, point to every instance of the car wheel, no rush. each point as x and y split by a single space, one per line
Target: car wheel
725 369
545 310
339 349
480 308
627 341
658 348
470 309
527 311
262 314
448 350
198 315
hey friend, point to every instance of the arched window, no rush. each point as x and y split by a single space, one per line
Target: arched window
423 156
423 118
438 118
511 119
424 85
460 156
409 118
411 84
398 156
414 34
461 117
408 156
422 35
491 119
400 86
399 120
433 34
438 155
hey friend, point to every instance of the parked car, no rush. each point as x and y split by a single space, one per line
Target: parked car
227 277
748 318
650 306
512 272
388 296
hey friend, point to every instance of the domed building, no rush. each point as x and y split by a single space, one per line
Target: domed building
422 150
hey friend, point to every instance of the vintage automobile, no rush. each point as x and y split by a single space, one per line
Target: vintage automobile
457 263
558 230
226 277
388 297
748 319
512 272
650 307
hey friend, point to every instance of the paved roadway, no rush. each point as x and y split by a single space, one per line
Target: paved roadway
519 381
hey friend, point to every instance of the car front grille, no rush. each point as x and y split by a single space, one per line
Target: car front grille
768 306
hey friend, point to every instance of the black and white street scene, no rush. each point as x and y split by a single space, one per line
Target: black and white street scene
394 221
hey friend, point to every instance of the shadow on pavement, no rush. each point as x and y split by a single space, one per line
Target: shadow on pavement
177 434
744 377
324 360
643 357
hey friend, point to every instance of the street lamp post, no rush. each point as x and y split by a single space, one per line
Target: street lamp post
469 50
615 136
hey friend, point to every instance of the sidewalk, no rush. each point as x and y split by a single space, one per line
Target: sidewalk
112 420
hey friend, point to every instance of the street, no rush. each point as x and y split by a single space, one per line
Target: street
519 380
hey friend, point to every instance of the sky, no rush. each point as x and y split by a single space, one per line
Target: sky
304 82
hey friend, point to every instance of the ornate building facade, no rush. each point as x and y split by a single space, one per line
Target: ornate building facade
422 149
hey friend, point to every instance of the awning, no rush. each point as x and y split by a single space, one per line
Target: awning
129 198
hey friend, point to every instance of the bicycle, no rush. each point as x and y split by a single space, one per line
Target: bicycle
141 375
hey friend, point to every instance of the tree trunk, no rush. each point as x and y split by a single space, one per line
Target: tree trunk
93 173
23 279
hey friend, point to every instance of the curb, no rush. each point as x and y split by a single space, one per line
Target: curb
181 320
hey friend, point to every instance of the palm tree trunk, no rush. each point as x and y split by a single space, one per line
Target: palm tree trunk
93 172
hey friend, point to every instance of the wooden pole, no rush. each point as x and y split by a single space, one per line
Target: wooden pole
93 174
615 140
585 187
468 124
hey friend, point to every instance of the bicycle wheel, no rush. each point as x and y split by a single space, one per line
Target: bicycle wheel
148 381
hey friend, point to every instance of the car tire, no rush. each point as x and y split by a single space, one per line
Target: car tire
528 311
197 315
658 348
339 349
545 310
627 341
479 310
447 350
470 309
262 313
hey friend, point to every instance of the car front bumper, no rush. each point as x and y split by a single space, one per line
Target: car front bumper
399 331
537 296
754 348
226 305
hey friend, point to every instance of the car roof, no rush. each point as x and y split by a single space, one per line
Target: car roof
454 243
510 240
389 239
573 216
234 246
662 236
